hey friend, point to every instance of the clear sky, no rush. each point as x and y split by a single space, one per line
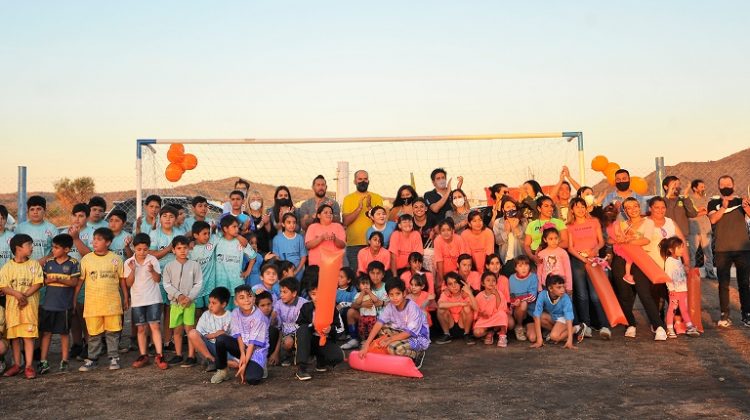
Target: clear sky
81 80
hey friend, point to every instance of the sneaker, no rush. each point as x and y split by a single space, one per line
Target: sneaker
660 334
520 334
12 371
211 366
630 332
114 363
444 339
605 333
160 363
189 362
220 376
581 332
671 333
302 375
140 362
419 359
488 339
288 362
124 349
724 322
746 320
321 368
628 278
43 367
29 372
469 340
502 340
175 360
88 365
64 366
168 347
587 332
83 355
692 331
349 345
265 371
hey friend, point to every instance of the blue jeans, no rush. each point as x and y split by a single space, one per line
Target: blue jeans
584 295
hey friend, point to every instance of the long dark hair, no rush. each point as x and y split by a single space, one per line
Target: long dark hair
398 201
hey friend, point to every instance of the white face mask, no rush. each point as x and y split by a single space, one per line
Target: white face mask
459 202
589 199
255 205
441 184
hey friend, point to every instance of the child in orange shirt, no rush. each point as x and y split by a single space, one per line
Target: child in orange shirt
491 311
448 246
493 265
456 309
467 272
424 299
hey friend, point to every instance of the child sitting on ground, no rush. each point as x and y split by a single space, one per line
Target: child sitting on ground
554 312
374 299
416 266
467 272
402 326
286 310
671 250
213 323
456 308
523 291
425 300
308 340
20 280
269 279
491 312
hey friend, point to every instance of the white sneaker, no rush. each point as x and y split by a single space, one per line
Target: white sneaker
661 334
351 344
630 332
605 333
724 323
220 376
587 332
114 363
520 334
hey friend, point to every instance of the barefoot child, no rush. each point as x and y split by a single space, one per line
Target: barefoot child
554 312
671 250
491 312
456 308
20 280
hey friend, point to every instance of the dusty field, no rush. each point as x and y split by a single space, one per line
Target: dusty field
683 378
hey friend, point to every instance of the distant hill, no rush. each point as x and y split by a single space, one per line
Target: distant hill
737 165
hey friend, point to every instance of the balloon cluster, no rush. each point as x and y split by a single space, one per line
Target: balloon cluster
608 169
179 162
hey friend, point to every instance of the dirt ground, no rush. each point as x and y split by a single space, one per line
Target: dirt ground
683 378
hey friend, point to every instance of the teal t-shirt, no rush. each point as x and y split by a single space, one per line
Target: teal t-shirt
5 253
100 224
87 236
161 240
229 263
535 229
205 256
41 234
118 244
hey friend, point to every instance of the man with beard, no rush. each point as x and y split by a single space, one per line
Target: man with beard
309 208
622 191
727 215
356 209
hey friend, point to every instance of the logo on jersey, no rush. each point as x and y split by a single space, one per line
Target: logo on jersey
209 246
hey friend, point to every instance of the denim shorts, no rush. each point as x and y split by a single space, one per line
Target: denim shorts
150 314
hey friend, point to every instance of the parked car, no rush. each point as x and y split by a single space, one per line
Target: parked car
128 206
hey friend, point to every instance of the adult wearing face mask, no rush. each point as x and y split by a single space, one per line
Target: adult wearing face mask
732 246
593 204
679 208
403 203
439 199
308 210
260 221
700 228
622 191
356 207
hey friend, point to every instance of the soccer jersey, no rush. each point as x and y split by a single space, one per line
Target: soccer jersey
59 296
402 245
86 235
161 240
291 249
41 234
205 256
253 329
287 314
20 277
118 244
229 254
410 319
147 227
100 224
101 274
5 252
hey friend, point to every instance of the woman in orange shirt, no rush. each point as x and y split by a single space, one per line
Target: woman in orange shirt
478 238
448 246
404 241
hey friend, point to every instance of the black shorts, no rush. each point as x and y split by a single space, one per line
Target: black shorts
55 322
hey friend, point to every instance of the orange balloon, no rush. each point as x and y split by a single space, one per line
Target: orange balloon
610 177
189 162
175 156
178 147
174 172
599 163
639 185
611 167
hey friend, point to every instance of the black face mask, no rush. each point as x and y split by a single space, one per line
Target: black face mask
726 192
362 186
623 186
407 200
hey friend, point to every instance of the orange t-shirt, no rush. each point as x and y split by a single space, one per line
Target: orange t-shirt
479 245
448 252
365 257
315 229
401 246
454 310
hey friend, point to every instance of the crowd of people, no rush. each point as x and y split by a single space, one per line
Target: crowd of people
240 292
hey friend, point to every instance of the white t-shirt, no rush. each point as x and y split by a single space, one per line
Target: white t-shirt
210 323
366 311
676 272
145 291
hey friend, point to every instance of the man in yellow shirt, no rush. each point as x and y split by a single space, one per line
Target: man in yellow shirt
102 273
356 208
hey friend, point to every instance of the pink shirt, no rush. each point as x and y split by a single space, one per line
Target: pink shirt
365 257
401 246
555 261
448 252
315 229
480 245
584 234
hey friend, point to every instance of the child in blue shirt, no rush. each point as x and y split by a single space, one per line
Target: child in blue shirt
229 256
40 230
269 280
523 287
203 253
5 235
290 245
554 312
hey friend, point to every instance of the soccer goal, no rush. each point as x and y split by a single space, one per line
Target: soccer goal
482 160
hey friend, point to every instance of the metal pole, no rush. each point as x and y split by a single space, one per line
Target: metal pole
660 174
342 181
21 217
581 160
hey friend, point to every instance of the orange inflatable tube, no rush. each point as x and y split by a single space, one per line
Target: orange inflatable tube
328 278
607 297
385 363
694 298
652 270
